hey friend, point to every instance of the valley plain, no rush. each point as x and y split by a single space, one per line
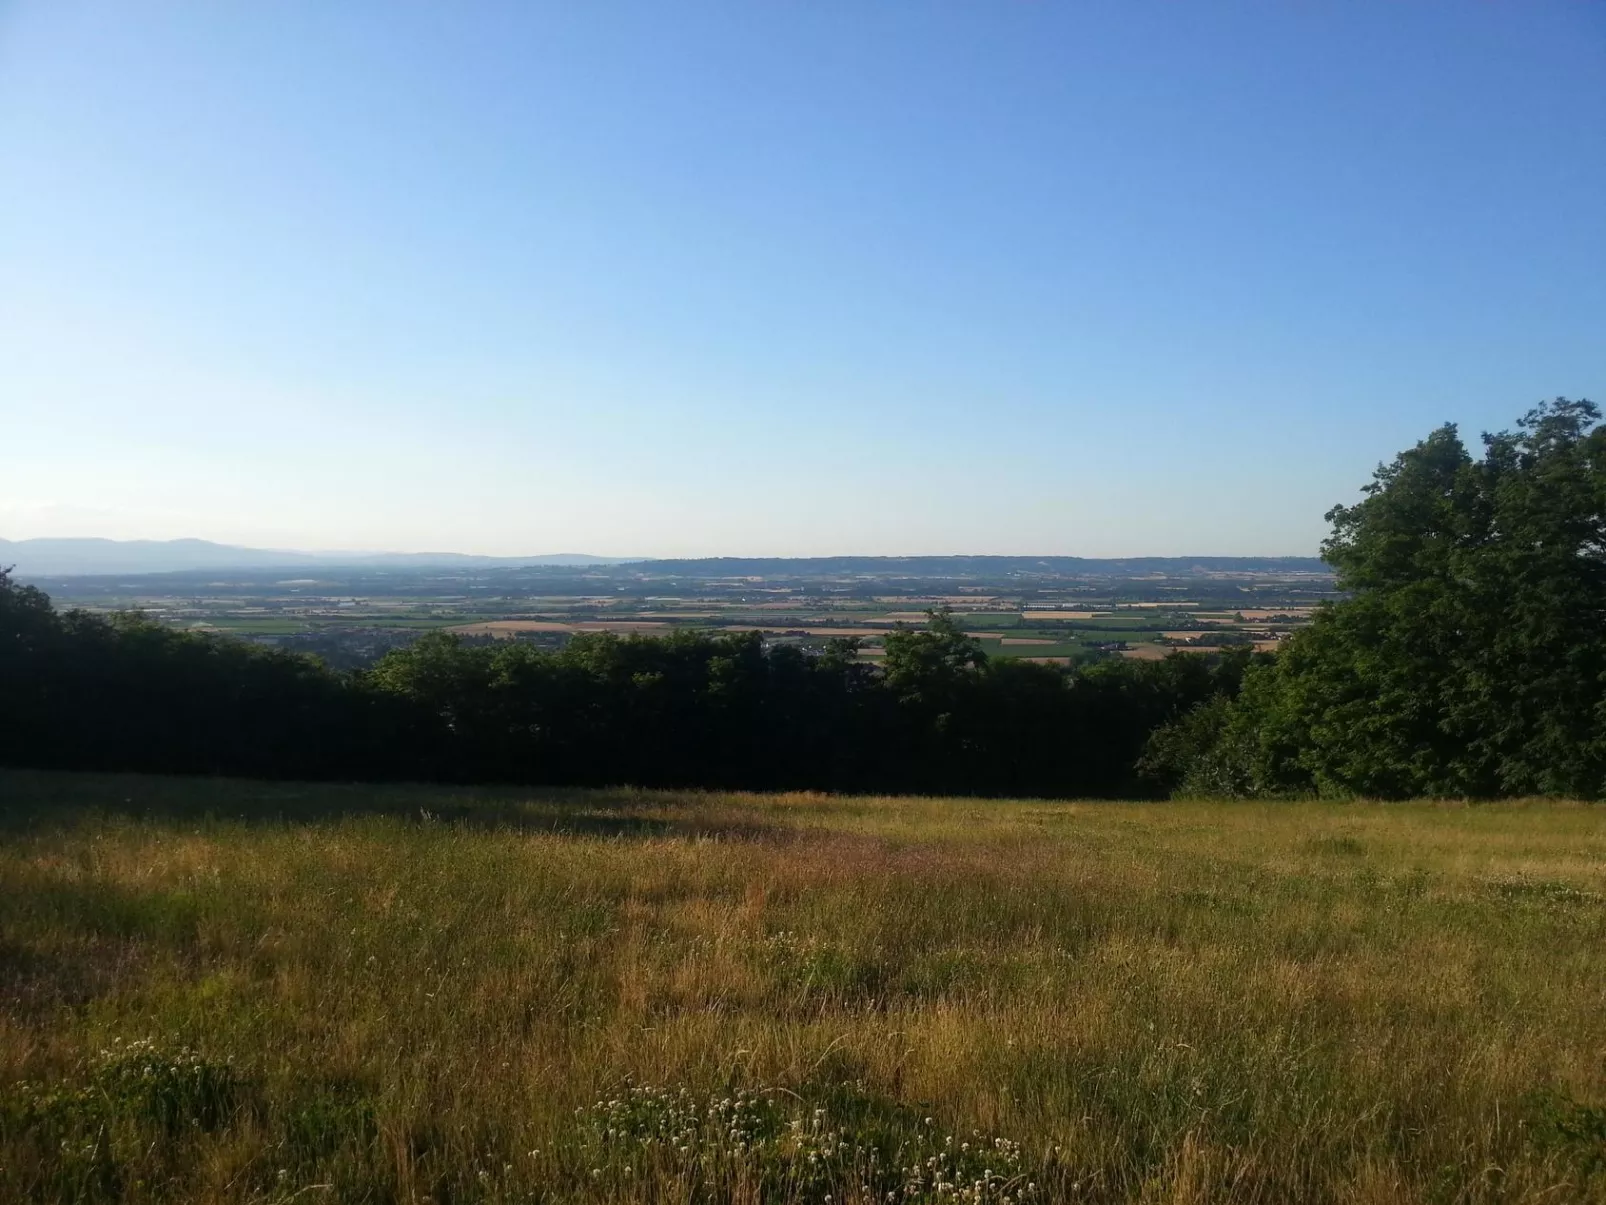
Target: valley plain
1069 610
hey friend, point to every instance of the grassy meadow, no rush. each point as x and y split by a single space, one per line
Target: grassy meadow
230 991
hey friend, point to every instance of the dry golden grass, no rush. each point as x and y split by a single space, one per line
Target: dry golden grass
407 994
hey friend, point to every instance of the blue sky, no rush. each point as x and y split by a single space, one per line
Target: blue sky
780 277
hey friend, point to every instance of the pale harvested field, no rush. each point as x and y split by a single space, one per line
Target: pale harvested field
508 627
499 627
1292 613
1158 652
1154 652
805 628
496 627
1214 633
216 991
810 629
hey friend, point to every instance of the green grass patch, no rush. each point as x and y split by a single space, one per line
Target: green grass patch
216 991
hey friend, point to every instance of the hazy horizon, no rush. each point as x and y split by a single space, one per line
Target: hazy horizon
720 279
577 552
751 554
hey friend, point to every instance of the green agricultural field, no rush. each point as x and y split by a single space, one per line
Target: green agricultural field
252 626
228 991
312 623
1151 622
1056 648
389 621
989 622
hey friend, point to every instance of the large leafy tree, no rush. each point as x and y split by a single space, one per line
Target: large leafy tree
1470 655
1538 688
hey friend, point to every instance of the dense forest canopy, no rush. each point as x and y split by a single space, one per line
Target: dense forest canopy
1468 659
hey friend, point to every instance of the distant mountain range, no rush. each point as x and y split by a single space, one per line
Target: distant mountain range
93 557
72 557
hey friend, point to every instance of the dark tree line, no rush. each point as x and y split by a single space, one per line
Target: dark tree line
692 709
81 691
1469 659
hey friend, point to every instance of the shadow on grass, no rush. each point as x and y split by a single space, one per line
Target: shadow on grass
38 800
35 983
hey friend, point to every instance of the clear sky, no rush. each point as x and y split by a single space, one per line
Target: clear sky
788 277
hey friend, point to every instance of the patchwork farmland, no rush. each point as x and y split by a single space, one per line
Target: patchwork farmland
1064 615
